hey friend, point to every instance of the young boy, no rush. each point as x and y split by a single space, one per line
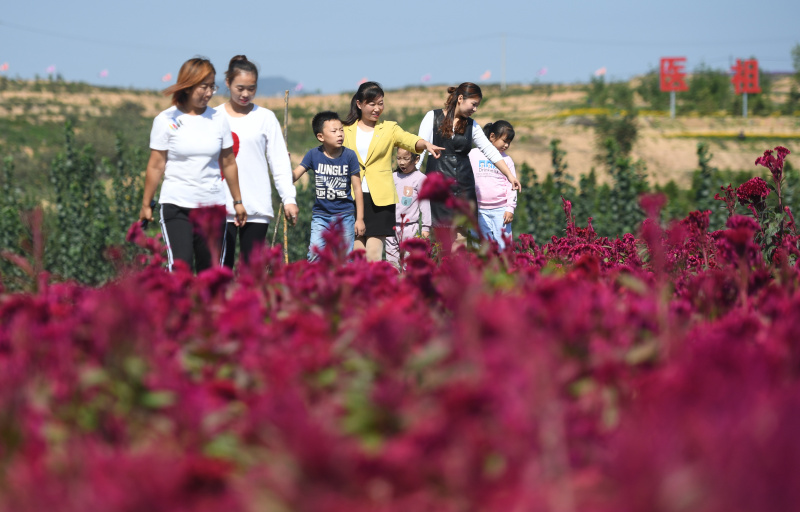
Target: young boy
338 184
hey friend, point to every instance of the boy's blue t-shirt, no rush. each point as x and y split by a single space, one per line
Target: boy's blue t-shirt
332 180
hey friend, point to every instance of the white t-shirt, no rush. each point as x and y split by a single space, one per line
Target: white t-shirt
363 140
192 176
255 135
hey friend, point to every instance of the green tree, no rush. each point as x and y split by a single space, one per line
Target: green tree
704 186
623 130
127 187
678 201
649 89
629 181
586 204
792 104
299 235
76 248
11 230
561 180
709 91
534 206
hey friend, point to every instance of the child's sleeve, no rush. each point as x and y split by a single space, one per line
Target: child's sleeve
424 208
159 134
354 166
511 194
307 161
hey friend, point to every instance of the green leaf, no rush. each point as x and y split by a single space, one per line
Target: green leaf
224 446
158 399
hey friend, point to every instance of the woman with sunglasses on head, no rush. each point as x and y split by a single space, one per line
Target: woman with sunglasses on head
259 149
188 144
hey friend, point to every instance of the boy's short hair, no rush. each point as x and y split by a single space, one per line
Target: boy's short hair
320 119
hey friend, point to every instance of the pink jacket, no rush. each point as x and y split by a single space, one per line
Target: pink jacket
493 188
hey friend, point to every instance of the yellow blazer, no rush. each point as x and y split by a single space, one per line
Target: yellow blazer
378 167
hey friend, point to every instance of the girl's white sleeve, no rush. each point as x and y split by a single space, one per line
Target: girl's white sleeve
486 147
426 133
278 158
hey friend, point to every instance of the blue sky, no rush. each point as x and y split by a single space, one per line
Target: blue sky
329 46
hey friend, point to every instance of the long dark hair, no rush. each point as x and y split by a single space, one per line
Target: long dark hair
468 90
366 92
240 64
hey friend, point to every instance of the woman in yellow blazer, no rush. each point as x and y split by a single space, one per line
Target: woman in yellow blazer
374 142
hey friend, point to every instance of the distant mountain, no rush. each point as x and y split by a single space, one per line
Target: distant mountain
267 85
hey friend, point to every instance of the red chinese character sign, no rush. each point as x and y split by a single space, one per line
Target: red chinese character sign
673 79
745 76
673 75
745 80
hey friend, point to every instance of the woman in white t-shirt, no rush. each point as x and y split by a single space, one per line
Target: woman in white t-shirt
259 149
188 143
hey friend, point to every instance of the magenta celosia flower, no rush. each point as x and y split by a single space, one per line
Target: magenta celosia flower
729 197
436 187
652 204
470 381
774 164
209 222
698 221
752 191
743 222
737 245
788 212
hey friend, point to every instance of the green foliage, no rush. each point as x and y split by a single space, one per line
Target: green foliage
34 143
83 225
679 201
535 207
709 92
649 89
629 182
792 104
623 130
791 187
586 204
618 95
298 236
11 230
705 184
127 187
561 180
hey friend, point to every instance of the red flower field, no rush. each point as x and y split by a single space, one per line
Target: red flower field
655 372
